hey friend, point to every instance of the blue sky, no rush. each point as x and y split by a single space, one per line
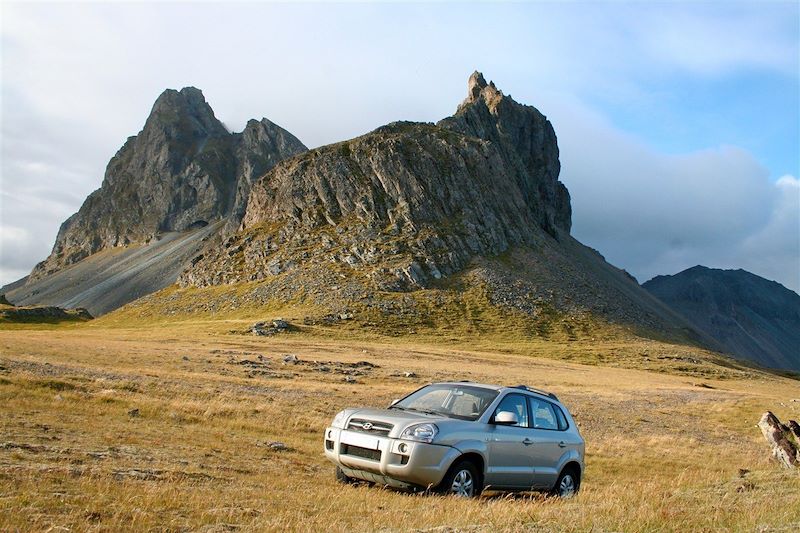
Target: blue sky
677 121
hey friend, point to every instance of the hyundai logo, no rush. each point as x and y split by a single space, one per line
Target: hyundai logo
367 426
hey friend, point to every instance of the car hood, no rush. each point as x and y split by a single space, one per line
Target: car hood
397 418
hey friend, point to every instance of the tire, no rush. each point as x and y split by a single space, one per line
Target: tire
568 483
462 480
341 477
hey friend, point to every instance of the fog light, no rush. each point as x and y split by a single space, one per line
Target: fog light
403 447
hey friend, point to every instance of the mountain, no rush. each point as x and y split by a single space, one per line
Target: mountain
183 170
750 317
164 190
459 222
429 210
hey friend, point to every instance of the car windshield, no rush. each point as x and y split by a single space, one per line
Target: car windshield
457 401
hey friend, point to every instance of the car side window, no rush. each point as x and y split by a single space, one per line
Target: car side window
515 403
544 417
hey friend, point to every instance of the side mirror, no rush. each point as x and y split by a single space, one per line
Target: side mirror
506 418
395 401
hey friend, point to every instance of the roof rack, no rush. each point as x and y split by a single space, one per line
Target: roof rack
537 391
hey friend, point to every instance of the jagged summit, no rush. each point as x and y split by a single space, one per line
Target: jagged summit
527 139
477 89
186 110
182 170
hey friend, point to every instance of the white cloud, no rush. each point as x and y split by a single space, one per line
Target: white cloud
653 213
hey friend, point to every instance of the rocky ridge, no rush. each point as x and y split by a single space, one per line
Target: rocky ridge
182 171
408 203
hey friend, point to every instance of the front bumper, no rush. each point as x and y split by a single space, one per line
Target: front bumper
394 462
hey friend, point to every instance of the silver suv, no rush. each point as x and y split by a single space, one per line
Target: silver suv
461 438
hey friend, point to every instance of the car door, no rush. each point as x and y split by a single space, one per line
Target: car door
509 463
549 444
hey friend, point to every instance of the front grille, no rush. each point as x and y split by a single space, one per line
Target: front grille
358 451
370 426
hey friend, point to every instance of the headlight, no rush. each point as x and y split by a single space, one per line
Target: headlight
420 432
338 420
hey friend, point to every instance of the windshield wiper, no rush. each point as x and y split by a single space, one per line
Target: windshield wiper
426 411
397 407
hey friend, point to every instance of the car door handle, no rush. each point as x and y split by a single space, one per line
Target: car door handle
562 444
527 442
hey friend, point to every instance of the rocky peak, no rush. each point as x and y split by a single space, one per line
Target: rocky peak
527 139
182 170
185 108
478 89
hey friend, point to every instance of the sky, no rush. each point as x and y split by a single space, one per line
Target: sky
678 122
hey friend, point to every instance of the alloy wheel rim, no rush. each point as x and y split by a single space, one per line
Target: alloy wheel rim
463 484
567 487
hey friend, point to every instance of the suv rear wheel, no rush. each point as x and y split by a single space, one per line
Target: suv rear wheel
461 480
568 483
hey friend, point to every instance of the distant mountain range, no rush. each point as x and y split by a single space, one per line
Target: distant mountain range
750 317
406 212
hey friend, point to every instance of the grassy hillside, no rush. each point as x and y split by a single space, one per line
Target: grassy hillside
167 425
459 313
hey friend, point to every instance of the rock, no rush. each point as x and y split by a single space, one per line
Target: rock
276 326
290 359
349 379
261 329
409 374
280 324
185 358
274 268
777 435
133 413
276 446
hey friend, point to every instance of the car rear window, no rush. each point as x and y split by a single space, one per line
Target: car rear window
544 415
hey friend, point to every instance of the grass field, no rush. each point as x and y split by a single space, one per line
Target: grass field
167 427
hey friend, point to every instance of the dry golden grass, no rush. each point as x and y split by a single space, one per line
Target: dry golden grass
665 445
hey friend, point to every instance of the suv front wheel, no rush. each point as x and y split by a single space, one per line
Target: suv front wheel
461 480
341 477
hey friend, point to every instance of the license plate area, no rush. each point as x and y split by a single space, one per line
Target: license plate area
362 441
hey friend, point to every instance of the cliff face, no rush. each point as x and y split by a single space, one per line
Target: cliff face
408 202
183 170
527 140
750 317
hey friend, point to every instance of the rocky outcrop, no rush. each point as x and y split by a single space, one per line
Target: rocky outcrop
183 170
780 437
408 202
750 317
43 314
